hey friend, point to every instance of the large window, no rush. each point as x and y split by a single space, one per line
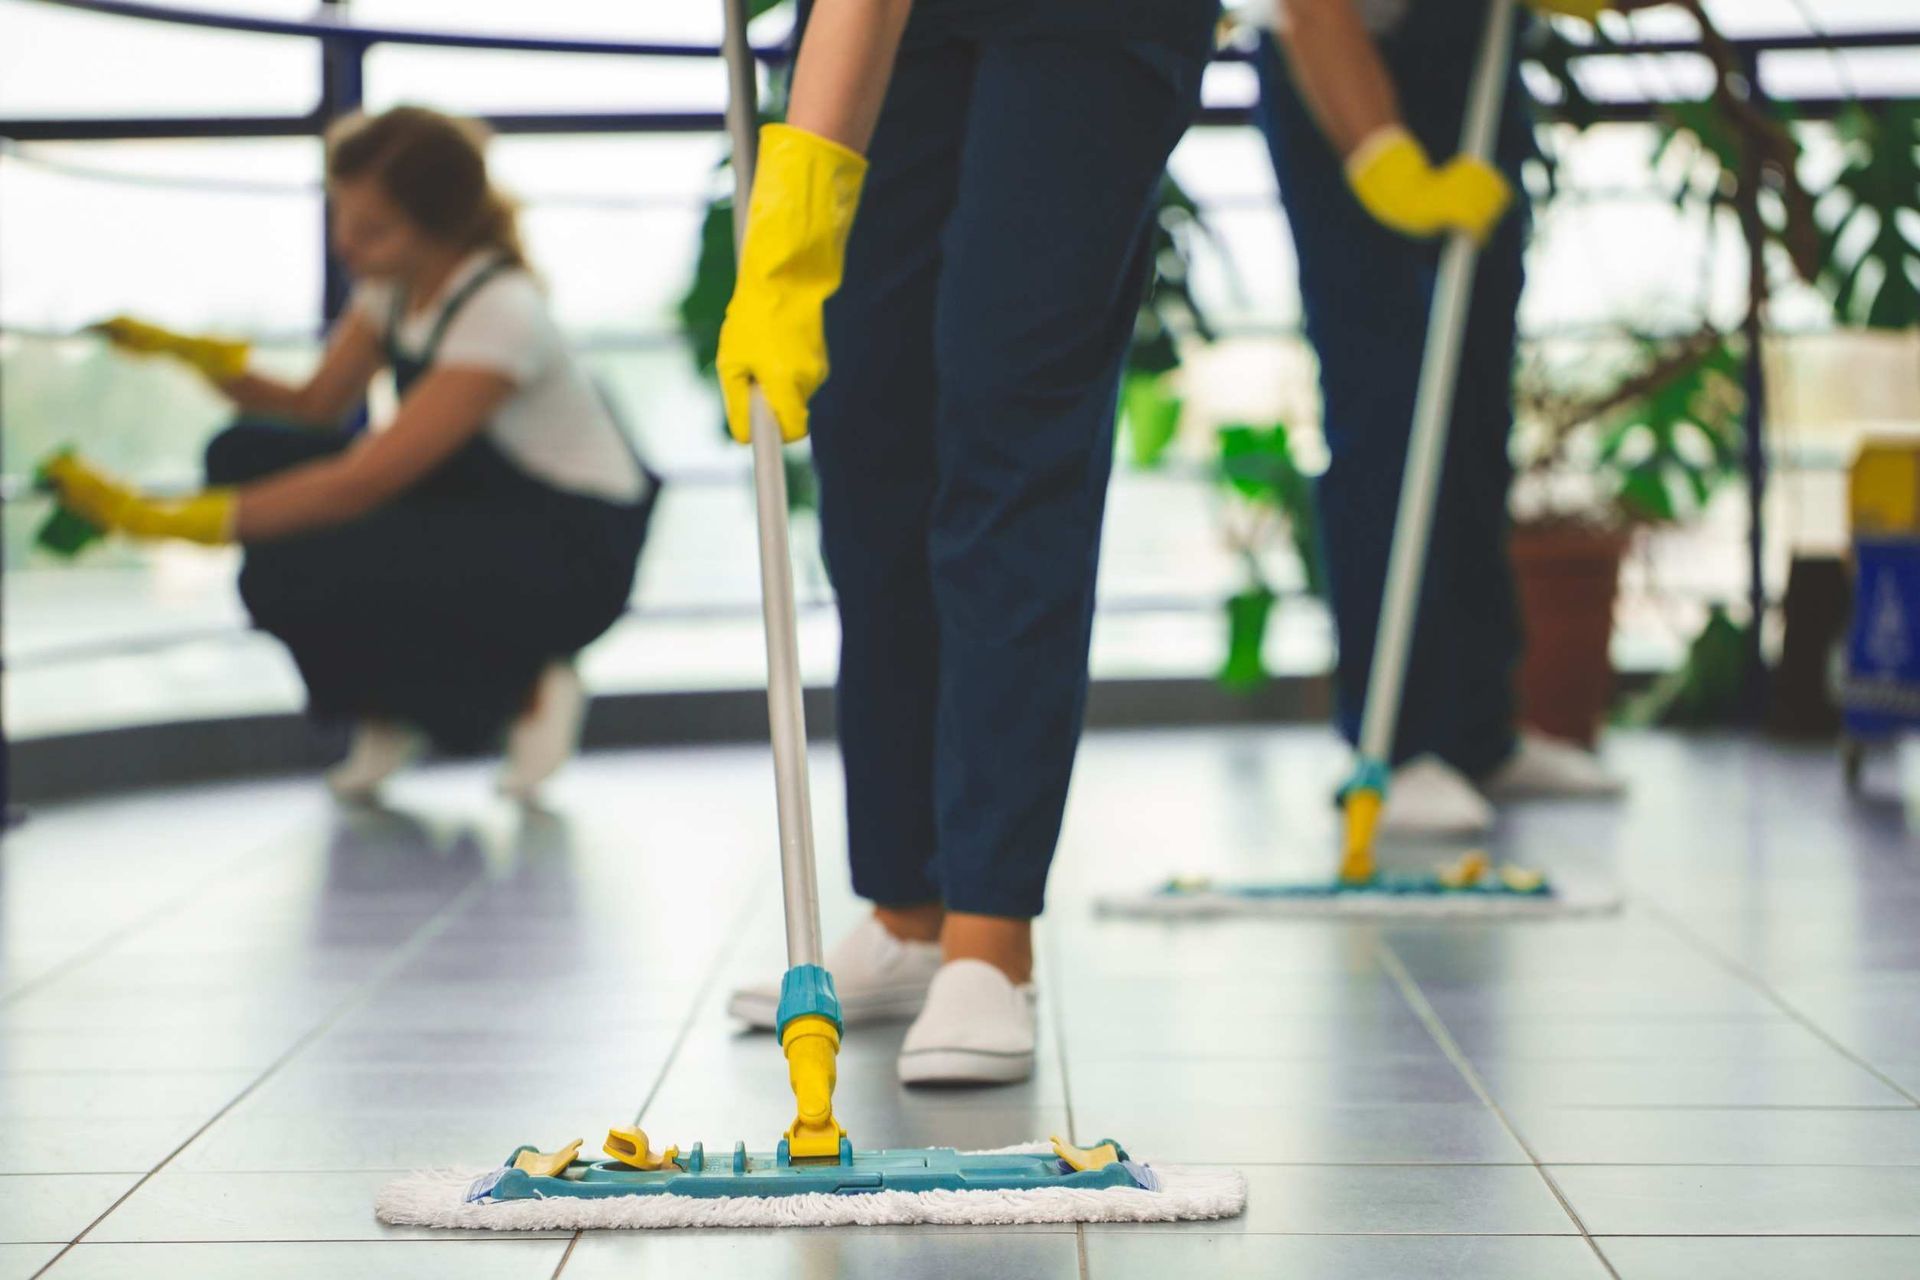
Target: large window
225 235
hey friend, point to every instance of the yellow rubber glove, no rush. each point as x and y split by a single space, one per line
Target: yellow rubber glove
1399 186
217 359
1587 11
804 196
206 517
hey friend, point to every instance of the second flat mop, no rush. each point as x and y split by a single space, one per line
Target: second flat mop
1471 885
814 1176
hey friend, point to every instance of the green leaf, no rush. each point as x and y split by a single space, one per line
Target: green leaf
1681 437
1643 492
1708 687
1879 181
1168 308
803 486
1257 463
1151 411
1247 616
704 305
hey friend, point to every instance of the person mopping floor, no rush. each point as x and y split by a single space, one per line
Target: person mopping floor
1355 96
963 442
772 356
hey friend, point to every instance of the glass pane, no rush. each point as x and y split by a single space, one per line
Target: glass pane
482 81
219 234
60 62
613 19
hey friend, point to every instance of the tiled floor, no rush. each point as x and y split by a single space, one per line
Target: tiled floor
228 1015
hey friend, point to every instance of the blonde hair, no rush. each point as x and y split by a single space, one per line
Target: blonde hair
434 167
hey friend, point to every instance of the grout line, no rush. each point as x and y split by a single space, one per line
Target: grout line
1430 1018
1741 971
566 1255
433 927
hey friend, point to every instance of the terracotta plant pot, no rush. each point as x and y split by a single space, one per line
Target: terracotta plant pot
1567 578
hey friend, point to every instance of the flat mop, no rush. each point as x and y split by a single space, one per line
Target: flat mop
1472 884
814 1176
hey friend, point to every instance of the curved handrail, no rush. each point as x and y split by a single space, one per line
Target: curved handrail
339 30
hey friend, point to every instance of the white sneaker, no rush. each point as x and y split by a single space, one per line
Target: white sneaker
1544 766
977 1028
1429 797
547 736
380 749
878 977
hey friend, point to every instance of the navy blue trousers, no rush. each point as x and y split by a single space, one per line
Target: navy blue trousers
1366 292
964 438
441 607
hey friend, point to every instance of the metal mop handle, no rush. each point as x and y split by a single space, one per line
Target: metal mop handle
1426 451
785 710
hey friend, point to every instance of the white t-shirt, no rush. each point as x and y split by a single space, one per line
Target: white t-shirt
554 425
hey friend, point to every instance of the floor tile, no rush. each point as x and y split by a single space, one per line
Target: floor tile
1386 1200
1719 998
1147 1255
247 1143
608 1086
1568 1135
1770 1258
69 1144
754 1074
1904 1072
1726 1200
1182 1036
1210 1133
232 1049
187 1207
20 1261
1792 1082
846 1253
55 1207
1560 1039
500 1258
118 1094
1104 1085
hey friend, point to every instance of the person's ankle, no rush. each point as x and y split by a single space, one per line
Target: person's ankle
1005 943
913 922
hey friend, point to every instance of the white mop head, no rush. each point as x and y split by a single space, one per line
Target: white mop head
437 1198
1215 903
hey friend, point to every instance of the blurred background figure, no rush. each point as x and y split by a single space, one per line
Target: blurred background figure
1355 96
434 577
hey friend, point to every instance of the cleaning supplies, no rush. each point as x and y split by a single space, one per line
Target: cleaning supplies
65 532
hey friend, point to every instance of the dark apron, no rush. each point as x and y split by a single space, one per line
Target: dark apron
439 609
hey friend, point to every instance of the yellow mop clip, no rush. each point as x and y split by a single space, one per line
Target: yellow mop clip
543 1164
631 1148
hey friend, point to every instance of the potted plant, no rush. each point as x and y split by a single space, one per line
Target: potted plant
1591 469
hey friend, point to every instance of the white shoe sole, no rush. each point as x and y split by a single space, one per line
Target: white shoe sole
761 1011
964 1066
